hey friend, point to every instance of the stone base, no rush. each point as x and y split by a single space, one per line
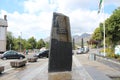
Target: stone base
1 69
32 59
18 63
60 76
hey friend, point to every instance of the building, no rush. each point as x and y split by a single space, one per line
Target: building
3 32
117 49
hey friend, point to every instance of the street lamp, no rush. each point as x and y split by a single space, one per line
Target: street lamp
20 40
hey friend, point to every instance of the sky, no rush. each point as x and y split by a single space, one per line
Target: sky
33 18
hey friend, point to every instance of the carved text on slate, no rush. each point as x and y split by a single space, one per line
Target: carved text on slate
61 31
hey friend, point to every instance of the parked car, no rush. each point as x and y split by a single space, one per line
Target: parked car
11 54
80 51
43 53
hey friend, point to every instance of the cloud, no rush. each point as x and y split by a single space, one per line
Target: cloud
38 6
85 20
36 20
29 24
76 4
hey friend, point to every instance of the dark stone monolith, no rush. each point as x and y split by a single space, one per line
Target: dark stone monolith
60 56
73 45
82 43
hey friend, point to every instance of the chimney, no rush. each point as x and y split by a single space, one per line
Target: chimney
5 17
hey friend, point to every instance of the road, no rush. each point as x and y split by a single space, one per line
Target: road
28 72
82 69
39 71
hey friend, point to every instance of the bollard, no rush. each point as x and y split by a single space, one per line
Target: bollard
92 57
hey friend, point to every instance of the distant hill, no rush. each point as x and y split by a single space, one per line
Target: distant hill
86 37
77 38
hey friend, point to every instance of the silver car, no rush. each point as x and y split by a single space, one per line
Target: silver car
80 51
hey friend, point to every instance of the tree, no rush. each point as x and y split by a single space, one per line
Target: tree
17 44
28 45
40 44
47 45
32 42
113 27
97 35
10 41
25 44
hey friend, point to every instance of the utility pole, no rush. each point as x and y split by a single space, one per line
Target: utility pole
82 45
73 45
10 46
20 40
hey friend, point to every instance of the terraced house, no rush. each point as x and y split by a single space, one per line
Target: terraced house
3 32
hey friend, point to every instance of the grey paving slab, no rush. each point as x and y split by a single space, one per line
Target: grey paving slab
82 69
113 64
95 74
97 67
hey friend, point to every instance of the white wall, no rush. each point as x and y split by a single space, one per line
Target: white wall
2 33
2 45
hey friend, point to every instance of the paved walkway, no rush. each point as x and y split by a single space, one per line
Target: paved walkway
97 70
82 69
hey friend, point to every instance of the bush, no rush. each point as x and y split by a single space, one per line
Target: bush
117 56
94 46
109 52
111 55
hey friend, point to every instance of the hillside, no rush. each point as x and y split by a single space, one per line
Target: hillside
77 38
85 37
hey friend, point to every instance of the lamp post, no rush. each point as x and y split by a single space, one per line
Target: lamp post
10 46
20 40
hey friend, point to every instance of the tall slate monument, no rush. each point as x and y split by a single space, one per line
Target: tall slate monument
60 57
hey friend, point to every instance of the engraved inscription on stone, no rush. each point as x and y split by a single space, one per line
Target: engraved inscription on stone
61 31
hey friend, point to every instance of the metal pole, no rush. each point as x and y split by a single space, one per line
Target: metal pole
20 40
73 44
104 38
10 46
104 29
